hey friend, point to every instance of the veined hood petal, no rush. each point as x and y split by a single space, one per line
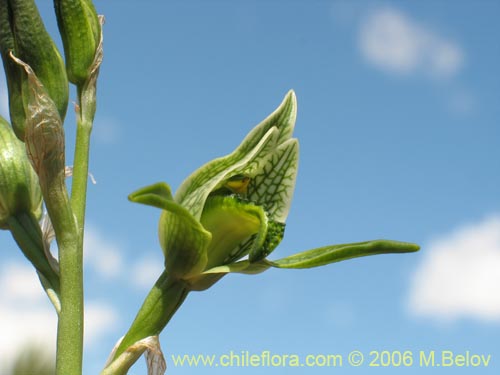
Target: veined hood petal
248 159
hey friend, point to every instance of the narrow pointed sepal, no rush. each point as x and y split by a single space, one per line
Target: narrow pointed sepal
337 253
183 239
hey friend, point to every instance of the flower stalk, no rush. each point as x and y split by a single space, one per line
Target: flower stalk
159 306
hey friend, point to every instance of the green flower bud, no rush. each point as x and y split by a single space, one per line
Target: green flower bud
81 32
13 73
23 34
19 189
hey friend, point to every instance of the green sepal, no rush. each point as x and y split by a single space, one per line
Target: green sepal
315 257
336 253
247 159
183 239
157 195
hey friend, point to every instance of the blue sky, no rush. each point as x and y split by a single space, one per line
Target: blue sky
399 132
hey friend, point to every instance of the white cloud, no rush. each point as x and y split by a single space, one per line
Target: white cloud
146 271
19 282
102 254
100 319
28 319
459 276
393 42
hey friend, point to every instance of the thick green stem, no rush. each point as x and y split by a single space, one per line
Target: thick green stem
70 325
70 328
80 174
166 296
70 241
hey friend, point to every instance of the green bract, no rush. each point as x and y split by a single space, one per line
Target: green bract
229 215
19 189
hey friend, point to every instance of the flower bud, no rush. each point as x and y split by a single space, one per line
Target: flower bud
19 189
80 32
23 34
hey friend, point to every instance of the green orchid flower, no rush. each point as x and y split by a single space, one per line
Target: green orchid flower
235 208
228 217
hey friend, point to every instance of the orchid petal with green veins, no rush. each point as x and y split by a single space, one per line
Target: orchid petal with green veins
273 186
247 159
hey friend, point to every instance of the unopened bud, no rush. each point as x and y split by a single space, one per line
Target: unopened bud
23 34
80 32
19 189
